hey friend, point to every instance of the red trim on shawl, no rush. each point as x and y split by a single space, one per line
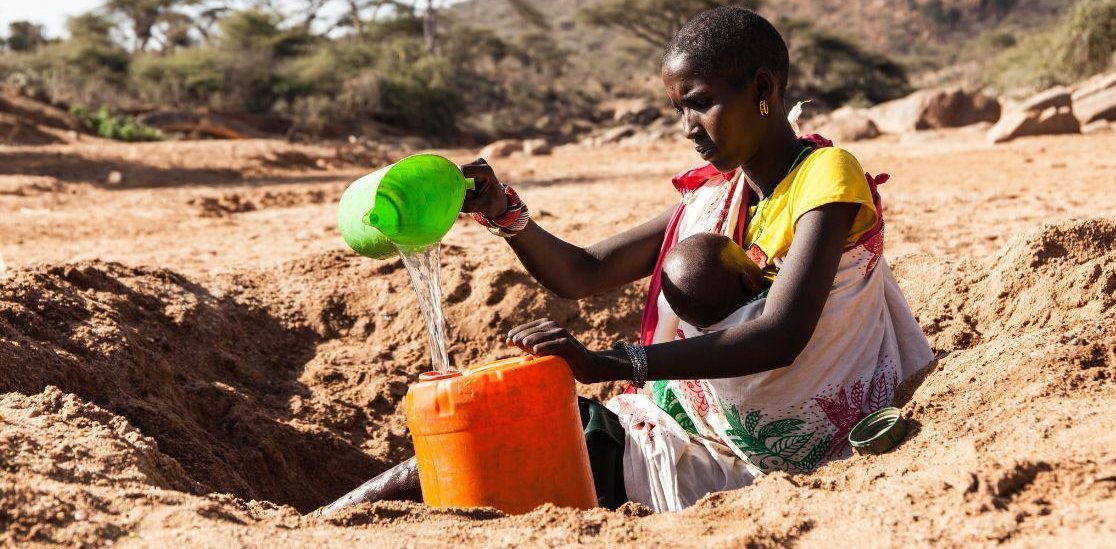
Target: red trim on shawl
690 180
651 306
873 184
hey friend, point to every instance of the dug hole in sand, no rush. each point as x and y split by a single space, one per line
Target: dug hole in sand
147 405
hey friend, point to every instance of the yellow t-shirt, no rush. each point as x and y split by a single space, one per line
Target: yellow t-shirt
825 176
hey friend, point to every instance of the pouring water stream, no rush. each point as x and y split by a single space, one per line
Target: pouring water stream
423 266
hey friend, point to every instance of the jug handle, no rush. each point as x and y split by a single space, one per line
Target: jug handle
470 184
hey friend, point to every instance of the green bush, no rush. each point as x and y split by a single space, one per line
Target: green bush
1089 37
1081 44
187 75
421 93
121 128
835 71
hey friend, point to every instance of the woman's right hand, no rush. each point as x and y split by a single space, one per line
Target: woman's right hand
487 196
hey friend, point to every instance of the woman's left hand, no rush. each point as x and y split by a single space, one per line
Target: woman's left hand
545 338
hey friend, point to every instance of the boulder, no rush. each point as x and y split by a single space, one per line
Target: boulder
1097 126
1057 97
536 147
1095 99
934 108
845 124
16 131
641 116
1022 122
501 148
33 112
638 111
614 135
199 124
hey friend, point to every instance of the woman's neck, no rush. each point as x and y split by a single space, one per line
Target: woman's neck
772 160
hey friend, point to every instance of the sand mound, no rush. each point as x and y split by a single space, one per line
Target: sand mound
1061 274
209 378
282 385
146 395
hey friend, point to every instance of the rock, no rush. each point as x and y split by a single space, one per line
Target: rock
413 143
32 112
501 148
1047 113
1022 123
639 111
614 135
17 131
934 108
199 124
114 178
641 116
1096 126
1095 99
1057 97
536 147
845 124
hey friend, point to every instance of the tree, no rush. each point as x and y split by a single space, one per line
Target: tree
91 27
25 36
146 15
653 21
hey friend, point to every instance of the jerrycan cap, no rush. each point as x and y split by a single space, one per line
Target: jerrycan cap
435 375
879 431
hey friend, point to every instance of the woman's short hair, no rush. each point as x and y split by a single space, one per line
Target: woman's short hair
731 42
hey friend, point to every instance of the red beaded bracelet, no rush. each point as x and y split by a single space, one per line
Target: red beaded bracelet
512 221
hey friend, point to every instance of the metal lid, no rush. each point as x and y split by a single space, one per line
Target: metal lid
879 431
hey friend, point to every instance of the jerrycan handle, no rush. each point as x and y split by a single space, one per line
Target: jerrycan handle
470 184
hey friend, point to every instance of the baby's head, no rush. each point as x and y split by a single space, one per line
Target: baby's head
726 73
707 277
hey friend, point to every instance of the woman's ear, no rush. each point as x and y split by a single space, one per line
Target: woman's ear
766 84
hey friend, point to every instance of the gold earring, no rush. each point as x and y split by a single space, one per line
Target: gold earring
763 107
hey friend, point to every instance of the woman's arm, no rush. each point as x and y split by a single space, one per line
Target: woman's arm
575 272
772 341
567 269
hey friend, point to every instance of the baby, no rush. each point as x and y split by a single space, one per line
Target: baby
707 278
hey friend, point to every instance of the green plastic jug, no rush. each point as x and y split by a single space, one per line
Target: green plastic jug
408 205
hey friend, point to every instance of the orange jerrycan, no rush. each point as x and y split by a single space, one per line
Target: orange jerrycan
506 435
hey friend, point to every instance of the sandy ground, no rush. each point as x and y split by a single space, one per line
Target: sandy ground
191 355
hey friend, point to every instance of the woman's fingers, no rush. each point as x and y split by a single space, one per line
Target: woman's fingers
542 335
551 347
483 175
516 334
487 196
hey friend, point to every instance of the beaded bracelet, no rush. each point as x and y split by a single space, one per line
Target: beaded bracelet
512 221
638 357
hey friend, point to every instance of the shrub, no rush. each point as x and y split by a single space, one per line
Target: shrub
1089 37
421 93
1081 44
121 128
835 71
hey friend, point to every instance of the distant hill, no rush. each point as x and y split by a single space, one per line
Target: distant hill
924 34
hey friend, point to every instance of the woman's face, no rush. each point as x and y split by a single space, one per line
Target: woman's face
723 121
